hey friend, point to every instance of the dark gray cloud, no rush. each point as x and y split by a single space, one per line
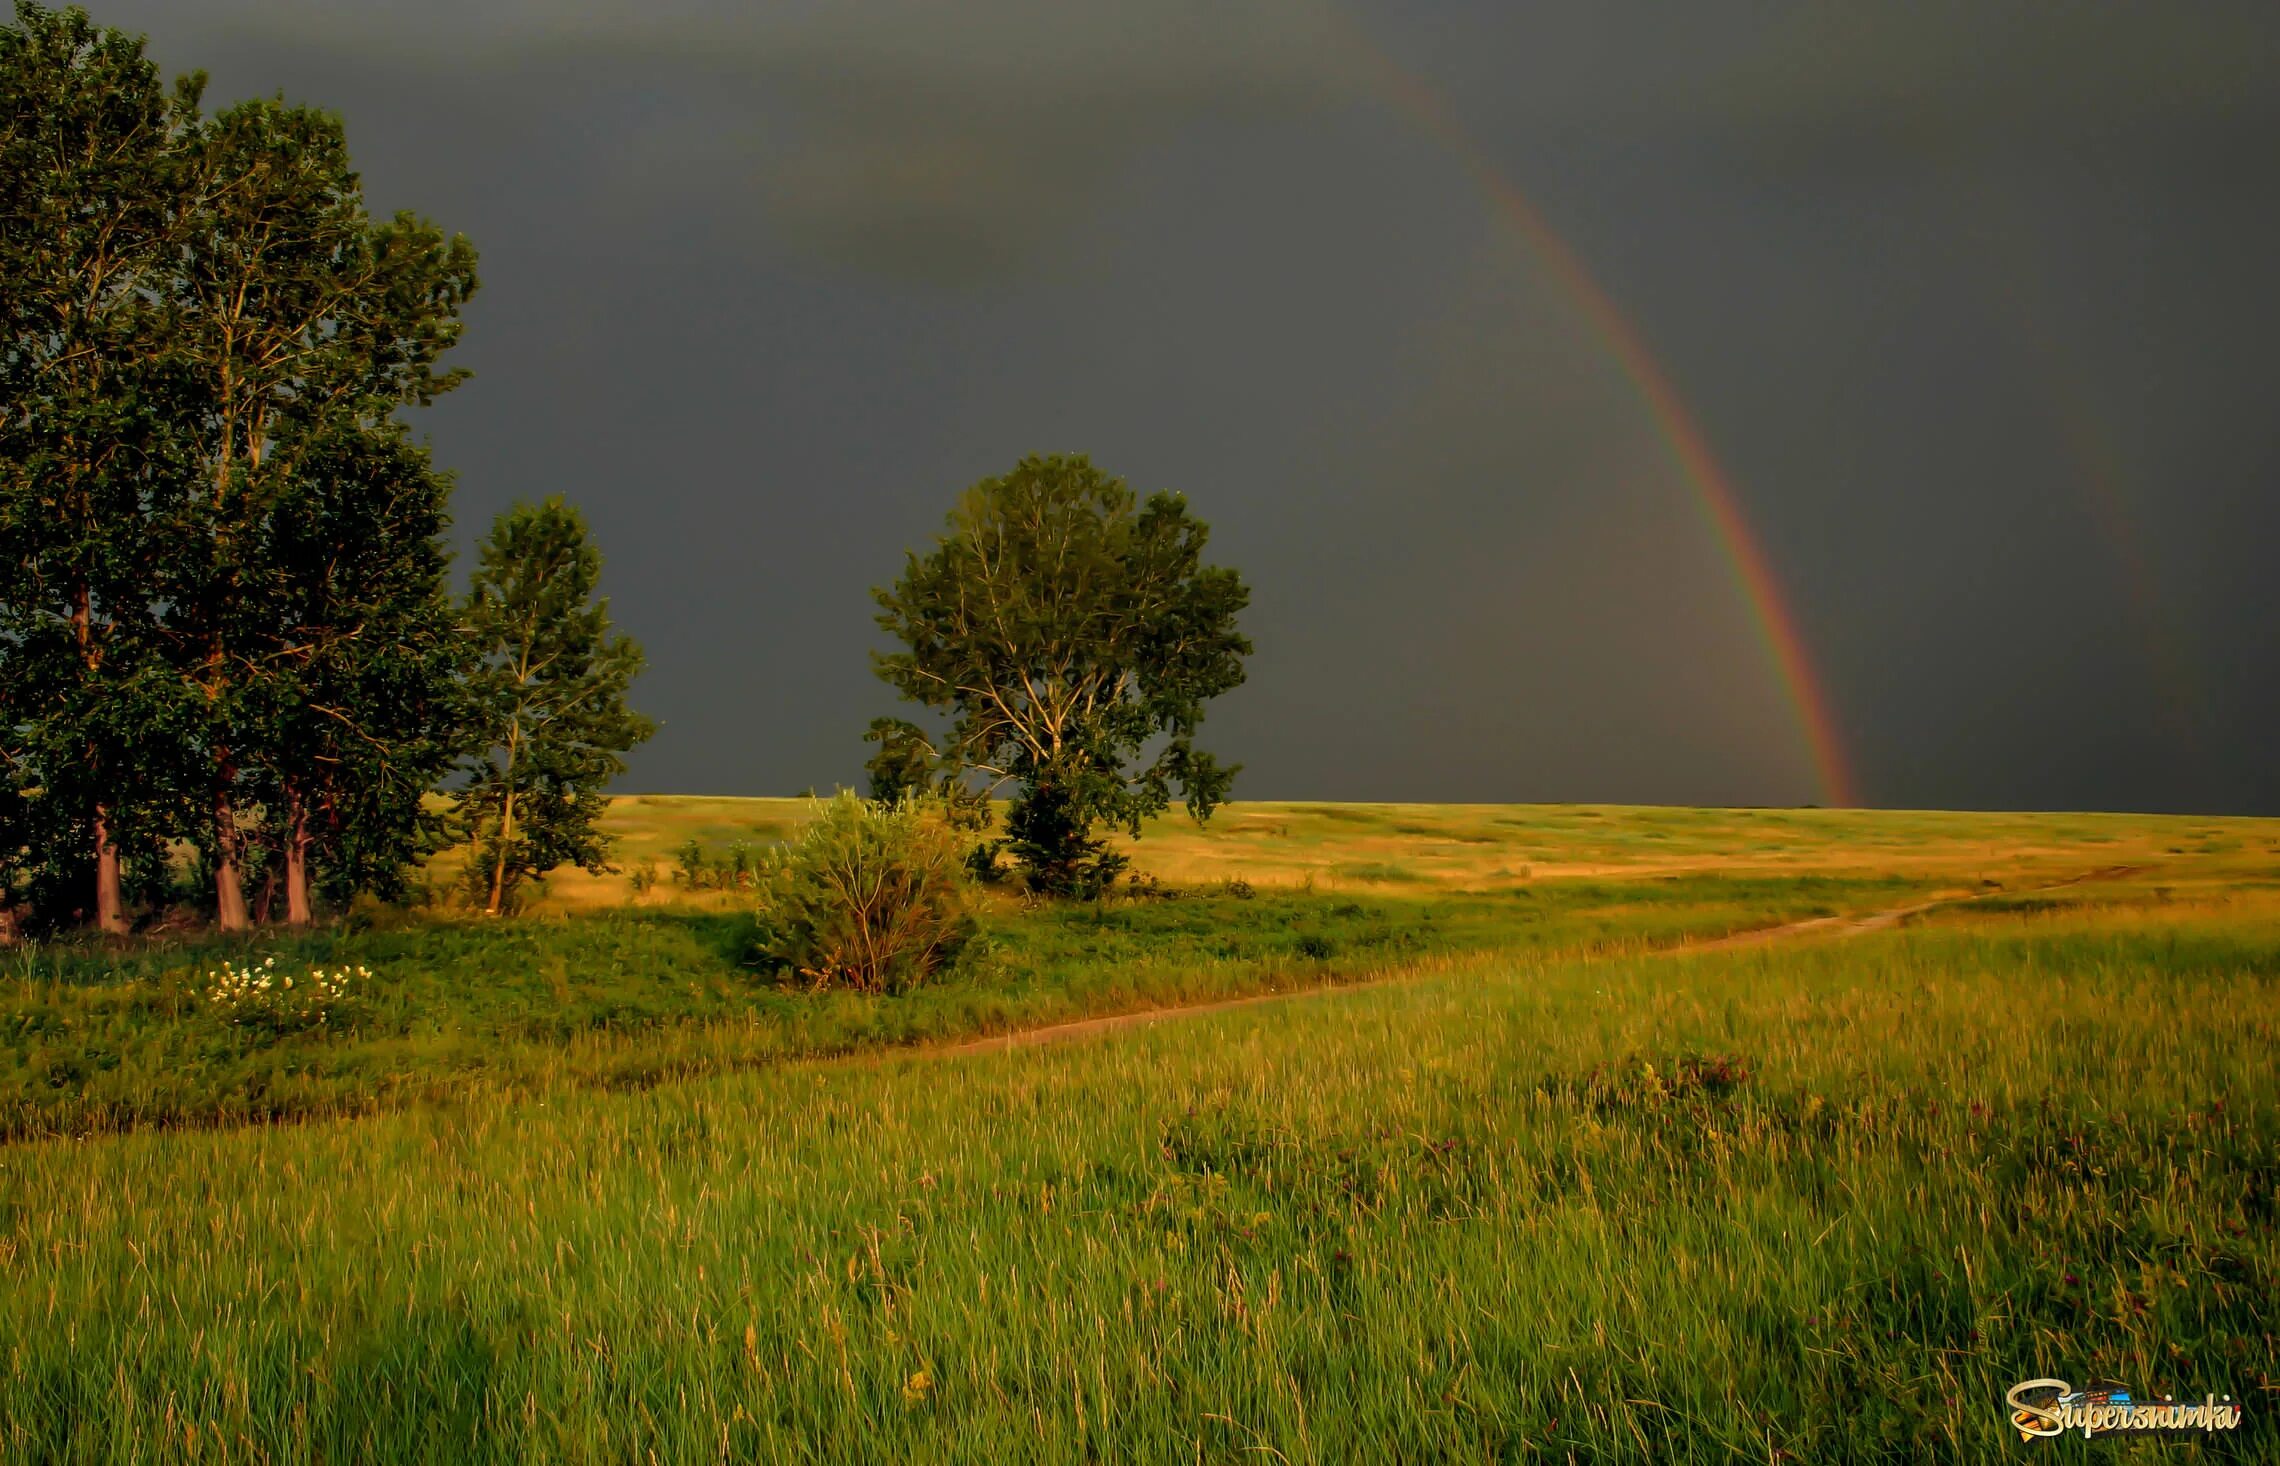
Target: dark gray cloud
945 142
951 141
1974 301
1838 80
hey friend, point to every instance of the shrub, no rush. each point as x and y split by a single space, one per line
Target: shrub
868 896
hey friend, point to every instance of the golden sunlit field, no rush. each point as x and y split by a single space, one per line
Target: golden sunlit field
1574 1133
1360 847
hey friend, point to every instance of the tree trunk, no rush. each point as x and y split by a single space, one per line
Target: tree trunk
499 866
229 893
110 910
297 861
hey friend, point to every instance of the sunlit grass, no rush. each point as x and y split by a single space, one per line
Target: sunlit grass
593 1192
1816 1202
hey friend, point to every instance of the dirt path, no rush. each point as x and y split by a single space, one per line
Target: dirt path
1874 921
1836 926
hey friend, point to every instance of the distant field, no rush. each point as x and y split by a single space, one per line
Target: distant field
1360 847
1554 1175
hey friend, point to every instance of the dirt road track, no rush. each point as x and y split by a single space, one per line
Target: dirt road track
1830 926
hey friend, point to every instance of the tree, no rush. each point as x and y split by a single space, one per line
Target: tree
355 707
208 512
297 324
90 224
1065 631
545 701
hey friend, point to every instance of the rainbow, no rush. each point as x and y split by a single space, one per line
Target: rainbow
1713 490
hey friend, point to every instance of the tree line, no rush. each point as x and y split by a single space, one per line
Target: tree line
225 616
225 619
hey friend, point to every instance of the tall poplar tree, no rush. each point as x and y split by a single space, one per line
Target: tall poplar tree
545 703
91 219
354 714
298 325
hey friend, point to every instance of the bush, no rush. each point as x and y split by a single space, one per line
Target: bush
868 896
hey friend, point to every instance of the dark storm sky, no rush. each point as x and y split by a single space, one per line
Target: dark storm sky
1975 300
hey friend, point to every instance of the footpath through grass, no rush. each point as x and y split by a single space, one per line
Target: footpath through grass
96 1040
1810 1202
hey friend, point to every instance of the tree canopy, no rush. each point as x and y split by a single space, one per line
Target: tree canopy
1069 635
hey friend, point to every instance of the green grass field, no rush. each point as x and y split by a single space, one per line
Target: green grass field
1568 1183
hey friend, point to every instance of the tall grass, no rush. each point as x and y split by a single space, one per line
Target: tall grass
1818 1202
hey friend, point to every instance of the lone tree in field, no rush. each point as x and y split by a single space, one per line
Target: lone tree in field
1066 631
545 702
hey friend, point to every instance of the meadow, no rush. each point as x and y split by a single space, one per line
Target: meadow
1548 1166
